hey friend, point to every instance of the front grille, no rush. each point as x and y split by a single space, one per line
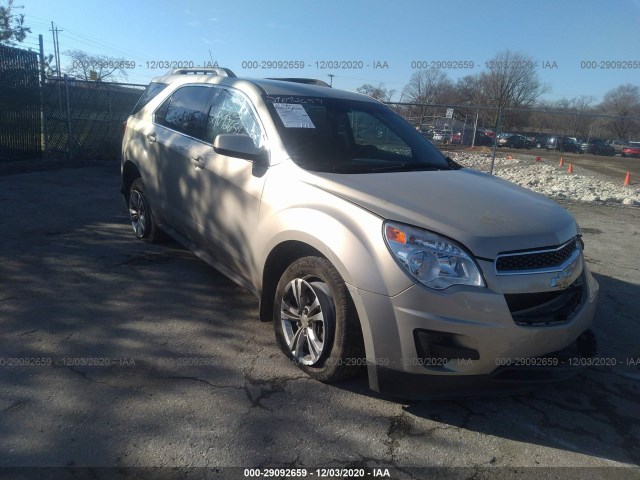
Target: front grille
546 308
536 260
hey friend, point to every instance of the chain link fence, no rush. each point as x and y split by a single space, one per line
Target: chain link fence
20 113
84 118
59 117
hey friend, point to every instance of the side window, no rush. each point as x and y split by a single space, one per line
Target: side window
185 110
150 92
231 113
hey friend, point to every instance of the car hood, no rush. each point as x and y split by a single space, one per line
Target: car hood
486 214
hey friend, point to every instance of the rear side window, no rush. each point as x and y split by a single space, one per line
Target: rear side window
149 94
185 110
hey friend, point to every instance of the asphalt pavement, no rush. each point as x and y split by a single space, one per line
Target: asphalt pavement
117 353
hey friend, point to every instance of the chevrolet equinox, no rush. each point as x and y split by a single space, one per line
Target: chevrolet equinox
365 245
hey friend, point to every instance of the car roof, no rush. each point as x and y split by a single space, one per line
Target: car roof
277 87
265 86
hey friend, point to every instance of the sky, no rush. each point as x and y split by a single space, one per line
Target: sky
356 41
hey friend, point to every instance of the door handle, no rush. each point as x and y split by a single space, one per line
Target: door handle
151 137
198 163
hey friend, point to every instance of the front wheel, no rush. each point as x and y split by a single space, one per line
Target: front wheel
315 321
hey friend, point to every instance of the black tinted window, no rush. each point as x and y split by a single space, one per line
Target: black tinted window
150 92
185 110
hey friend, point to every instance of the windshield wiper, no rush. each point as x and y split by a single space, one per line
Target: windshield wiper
453 165
408 166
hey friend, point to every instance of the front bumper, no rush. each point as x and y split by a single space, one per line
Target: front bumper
520 375
495 354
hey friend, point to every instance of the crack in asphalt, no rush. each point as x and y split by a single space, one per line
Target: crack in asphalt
275 385
196 379
267 387
17 405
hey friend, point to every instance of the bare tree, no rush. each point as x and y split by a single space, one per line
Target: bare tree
427 87
469 90
511 81
623 101
379 93
12 29
86 66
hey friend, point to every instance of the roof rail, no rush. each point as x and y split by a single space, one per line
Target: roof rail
220 72
308 81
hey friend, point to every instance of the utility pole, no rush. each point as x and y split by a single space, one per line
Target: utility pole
475 129
56 46
495 139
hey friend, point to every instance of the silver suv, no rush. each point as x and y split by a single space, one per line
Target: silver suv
364 244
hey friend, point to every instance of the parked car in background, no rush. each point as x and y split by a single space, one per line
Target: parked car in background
583 143
631 151
481 138
540 141
564 144
619 145
442 136
517 141
597 146
502 138
363 249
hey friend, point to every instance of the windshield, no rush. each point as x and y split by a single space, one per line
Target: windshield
346 136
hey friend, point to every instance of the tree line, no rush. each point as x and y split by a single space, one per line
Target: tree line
510 82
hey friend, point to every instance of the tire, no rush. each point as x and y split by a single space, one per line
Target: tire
330 348
141 215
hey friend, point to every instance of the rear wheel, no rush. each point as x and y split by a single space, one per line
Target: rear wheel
140 214
315 321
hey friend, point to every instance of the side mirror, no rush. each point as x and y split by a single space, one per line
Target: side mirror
240 146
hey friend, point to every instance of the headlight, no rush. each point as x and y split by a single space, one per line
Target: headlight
433 260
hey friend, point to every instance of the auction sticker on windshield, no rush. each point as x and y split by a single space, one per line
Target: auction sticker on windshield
293 115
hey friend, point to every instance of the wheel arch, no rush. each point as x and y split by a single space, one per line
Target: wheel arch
129 173
280 257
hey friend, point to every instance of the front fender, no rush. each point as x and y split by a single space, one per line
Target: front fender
349 236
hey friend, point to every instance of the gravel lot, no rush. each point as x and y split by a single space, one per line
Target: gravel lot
75 285
546 176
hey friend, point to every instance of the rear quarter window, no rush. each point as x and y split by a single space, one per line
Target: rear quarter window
152 90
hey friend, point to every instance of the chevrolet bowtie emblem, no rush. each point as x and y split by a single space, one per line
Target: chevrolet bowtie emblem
565 277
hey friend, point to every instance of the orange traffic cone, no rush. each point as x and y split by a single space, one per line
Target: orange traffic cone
561 162
570 170
538 159
627 179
